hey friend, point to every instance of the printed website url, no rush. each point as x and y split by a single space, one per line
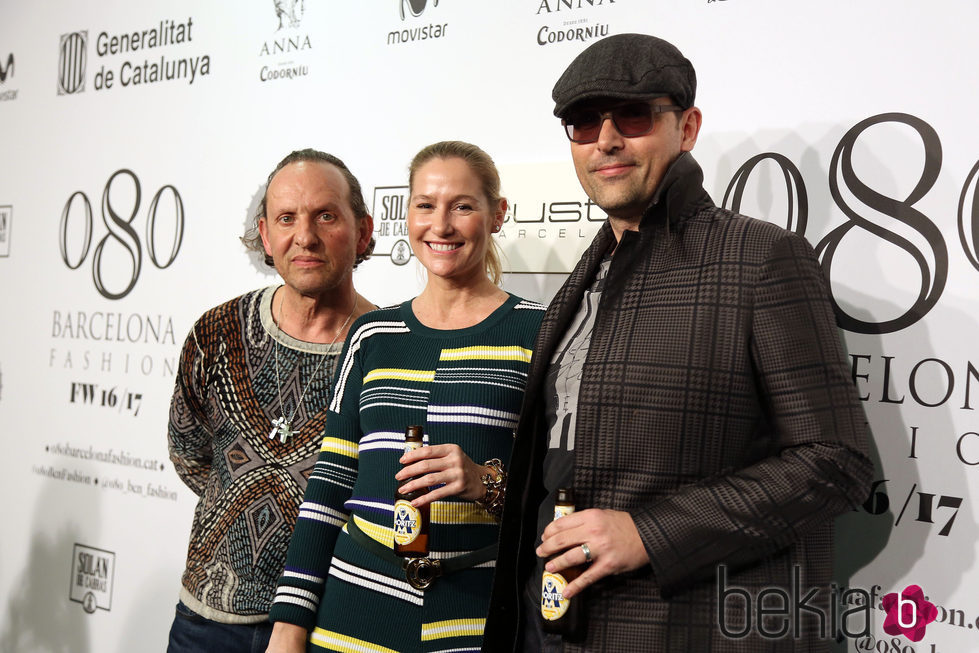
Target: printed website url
111 456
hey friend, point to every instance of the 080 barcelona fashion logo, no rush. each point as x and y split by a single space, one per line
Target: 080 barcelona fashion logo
117 259
898 221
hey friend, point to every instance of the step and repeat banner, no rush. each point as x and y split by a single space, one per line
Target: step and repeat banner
137 138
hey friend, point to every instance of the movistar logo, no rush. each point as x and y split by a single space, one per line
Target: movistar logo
8 69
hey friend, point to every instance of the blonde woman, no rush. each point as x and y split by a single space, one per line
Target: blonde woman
453 359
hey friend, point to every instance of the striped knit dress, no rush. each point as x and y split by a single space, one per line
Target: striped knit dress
465 386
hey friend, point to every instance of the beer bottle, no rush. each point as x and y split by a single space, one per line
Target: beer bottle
410 523
560 615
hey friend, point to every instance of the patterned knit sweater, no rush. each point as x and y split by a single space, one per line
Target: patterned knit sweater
250 485
465 386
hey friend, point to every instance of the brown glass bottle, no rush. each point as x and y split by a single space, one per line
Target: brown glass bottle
410 523
558 614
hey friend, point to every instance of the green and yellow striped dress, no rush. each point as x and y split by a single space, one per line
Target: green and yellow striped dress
465 386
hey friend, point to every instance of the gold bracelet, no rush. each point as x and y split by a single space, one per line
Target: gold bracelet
495 483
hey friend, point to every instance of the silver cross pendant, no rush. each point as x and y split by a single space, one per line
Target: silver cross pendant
281 426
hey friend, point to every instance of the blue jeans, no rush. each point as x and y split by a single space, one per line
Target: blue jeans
192 633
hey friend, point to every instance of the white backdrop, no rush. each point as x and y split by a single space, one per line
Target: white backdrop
862 115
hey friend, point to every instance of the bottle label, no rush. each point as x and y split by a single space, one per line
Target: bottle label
411 445
407 520
553 605
562 511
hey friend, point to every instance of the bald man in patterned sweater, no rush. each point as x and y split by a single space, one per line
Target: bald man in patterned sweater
250 400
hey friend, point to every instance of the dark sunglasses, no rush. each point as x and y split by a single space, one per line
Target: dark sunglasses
630 119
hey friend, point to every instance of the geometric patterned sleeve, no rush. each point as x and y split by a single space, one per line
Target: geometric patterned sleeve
189 436
322 513
819 467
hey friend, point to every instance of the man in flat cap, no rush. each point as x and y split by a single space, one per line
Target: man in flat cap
689 383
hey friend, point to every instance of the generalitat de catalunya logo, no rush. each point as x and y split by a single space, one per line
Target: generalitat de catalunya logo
72 58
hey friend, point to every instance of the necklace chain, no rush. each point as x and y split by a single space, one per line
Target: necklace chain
282 426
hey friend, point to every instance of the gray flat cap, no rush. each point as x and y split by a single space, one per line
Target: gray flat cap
626 66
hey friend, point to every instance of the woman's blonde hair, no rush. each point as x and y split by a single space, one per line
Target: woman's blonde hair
480 163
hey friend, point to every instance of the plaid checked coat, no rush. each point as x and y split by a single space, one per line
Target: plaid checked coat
717 408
